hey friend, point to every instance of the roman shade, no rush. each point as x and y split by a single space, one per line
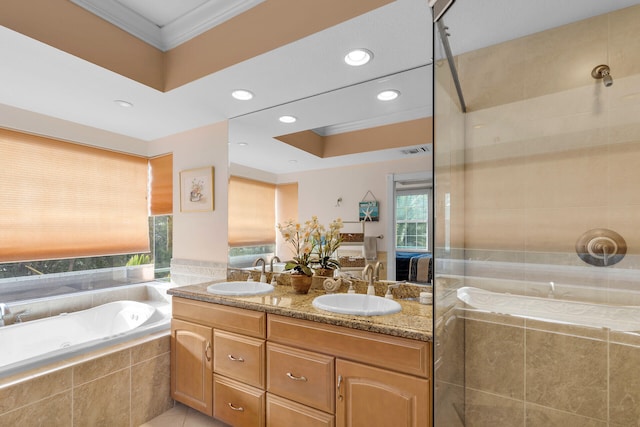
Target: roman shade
252 217
64 200
161 186
286 202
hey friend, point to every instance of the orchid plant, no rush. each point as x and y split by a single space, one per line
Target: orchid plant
328 240
299 236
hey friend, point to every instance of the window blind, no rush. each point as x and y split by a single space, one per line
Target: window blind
64 200
252 217
161 187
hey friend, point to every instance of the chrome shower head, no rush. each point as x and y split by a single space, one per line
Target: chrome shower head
602 72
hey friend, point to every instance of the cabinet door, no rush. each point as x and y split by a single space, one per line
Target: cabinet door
374 397
191 366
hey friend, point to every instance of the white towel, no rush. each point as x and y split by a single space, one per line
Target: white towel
370 248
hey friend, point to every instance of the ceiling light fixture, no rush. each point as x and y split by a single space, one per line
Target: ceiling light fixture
293 161
242 94
287 119
358 57
242 144
388 95
123 104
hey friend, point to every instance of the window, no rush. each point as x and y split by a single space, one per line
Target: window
412 219
70 208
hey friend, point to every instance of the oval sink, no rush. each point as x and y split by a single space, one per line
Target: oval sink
240 288
358 304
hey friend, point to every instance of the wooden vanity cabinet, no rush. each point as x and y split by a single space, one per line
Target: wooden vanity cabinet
218 361
379 380
191 365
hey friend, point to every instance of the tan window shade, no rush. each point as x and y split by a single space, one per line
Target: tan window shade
161 191
252 217
63 200
286 202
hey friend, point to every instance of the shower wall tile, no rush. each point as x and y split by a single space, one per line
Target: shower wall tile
488 410
624 383
540 416
624 158
103 402
450 349
495 358
495 229
54 411
567 373
449 407
594 333
624 43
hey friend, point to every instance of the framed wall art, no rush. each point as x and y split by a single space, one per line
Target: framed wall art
196 190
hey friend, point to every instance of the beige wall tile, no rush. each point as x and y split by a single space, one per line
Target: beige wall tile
488 410
103 402
494 356
502 229
567 373
539 416
449 407
150 349
101 366
54 411
150 389
624 43
31 391
624 383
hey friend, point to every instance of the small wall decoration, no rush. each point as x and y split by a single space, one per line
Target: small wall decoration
196 190
369 209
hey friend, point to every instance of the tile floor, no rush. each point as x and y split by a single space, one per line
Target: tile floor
183 416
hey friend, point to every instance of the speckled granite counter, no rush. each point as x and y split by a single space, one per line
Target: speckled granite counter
414 321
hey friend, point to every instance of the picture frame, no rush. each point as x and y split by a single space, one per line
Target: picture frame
197 190
369 211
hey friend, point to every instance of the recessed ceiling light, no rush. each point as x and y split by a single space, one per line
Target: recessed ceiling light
388 95
287 119
123 104
293 161
358 57
242 95
242 144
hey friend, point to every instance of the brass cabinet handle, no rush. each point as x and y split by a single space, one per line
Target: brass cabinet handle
235 408
235 359
206 351
295 378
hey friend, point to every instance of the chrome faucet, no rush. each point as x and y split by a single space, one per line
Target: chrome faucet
376 271
271 262
367 272
263 276
4 310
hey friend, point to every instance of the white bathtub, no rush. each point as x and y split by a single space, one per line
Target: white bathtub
38 342
614 317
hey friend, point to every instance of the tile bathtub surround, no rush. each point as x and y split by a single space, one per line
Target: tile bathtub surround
125 386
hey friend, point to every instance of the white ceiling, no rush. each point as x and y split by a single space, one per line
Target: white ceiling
45 80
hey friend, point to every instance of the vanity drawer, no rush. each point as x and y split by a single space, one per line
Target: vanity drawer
285 413
389 352
239 357
302 376
233 319
238 404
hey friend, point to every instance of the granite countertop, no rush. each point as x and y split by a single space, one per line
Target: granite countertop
414 321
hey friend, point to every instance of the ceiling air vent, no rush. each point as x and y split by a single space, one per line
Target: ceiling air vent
416 150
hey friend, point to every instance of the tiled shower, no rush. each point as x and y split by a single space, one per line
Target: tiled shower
543 154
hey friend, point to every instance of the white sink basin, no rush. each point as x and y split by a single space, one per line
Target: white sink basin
240 288
358 304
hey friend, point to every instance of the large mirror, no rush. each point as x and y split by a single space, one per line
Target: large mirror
346 145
